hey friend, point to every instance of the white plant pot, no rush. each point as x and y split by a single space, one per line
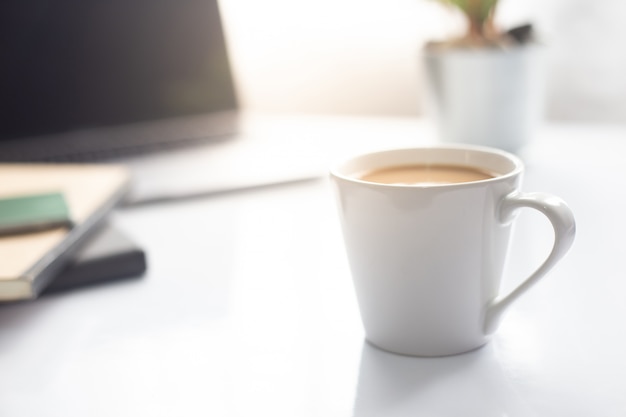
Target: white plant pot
485 97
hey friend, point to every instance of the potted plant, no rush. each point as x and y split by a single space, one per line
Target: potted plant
485 87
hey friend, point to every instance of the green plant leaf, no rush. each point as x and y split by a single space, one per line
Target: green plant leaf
477 11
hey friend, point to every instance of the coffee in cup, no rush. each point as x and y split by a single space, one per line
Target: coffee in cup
425 174
427 251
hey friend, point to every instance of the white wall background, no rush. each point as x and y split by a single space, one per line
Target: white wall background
361 56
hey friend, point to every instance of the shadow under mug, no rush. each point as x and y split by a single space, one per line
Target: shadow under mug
427 260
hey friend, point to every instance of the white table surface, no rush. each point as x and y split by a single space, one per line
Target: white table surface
247 309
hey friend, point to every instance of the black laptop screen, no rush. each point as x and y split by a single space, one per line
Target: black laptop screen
80 64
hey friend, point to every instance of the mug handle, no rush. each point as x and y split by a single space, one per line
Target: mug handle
562 220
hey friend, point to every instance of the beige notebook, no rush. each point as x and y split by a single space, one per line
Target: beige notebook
28 262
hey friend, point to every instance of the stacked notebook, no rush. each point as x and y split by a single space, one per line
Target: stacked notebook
55 236
105 256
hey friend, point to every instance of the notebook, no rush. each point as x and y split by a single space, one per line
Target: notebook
107 255
29 261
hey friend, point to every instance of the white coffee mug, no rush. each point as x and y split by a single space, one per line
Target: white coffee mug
427 260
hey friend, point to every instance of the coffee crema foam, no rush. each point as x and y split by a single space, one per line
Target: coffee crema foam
426 174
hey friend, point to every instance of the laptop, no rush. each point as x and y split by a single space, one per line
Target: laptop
146 83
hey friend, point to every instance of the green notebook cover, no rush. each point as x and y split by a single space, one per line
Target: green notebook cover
33 212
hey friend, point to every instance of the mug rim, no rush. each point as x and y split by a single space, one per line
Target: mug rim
518 165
